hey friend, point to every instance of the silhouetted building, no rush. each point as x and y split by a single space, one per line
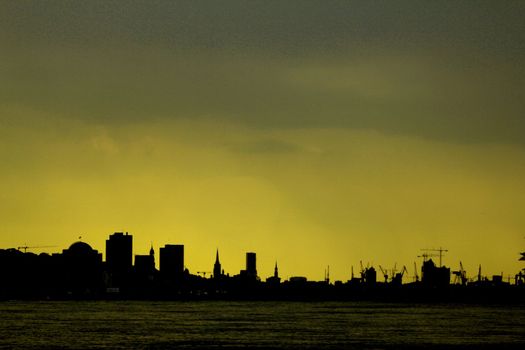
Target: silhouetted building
25 274
172 261
519 278
79 272
251 264
82 268
249 274
369 275
119 251
298 279
434 276
397 279
145 264
145 267
497 279
275 279
119 254
217 266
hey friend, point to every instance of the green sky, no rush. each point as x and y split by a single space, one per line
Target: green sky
313 132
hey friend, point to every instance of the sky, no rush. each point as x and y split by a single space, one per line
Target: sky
314 133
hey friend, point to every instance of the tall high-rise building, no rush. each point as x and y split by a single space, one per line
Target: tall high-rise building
251 264
217 266
119 253
172 261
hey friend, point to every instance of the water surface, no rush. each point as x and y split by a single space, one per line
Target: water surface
283 325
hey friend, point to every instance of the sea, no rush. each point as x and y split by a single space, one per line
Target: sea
257 324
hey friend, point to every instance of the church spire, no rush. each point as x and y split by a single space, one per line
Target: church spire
217 266
276 271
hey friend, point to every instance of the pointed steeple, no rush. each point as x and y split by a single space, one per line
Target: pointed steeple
217 266
151 251
275 279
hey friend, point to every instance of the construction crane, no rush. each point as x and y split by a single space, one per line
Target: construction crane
403 271
439 250
460 275
26 247
385 273
425 256
394 270
365 272
364 269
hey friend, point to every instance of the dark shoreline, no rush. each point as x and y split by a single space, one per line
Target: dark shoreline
472 295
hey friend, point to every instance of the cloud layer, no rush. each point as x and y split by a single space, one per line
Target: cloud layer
437 70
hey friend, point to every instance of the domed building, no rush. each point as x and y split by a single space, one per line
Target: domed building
82 253
80 248
82 269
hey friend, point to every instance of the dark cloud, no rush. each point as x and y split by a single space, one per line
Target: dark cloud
446 70
288 26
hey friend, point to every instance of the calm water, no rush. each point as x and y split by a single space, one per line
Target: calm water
162 325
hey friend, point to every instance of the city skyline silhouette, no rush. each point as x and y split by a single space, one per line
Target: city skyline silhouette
343 174
80 272
314 134
412 267
120 258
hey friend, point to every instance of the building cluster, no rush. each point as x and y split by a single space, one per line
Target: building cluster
80 271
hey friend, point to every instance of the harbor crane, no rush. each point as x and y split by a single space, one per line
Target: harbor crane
460 276
362 269
385 273
416 276
26 247
394 270
367 274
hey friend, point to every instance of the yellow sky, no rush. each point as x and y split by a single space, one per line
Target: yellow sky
314 134
305 198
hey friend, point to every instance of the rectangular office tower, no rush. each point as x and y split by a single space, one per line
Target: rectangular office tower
172 261
251 264
119 252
